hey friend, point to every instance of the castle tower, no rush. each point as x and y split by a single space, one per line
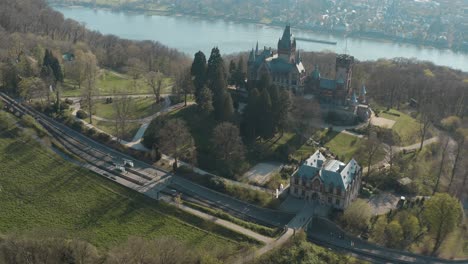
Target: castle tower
344 65
287 45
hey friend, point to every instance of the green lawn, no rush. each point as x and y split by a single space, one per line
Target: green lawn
109 128
406 127
142 107
347 146
84 205
109 83
343 145
304 151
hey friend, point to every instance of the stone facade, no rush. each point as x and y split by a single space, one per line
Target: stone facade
284 68
329 181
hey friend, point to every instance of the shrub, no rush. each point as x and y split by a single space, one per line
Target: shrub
184 169
68 101
78 126
81 114
92 132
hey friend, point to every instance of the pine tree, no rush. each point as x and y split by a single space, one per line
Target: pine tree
239 79
275 102
265 126
219 90
198 71
205 100
251 117
215 65
232 72
228 108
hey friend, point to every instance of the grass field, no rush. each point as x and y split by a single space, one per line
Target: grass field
348 146
406 127
86 206
109 128
343 145
109 83
142 107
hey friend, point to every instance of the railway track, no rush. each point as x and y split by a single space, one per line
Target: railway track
93 156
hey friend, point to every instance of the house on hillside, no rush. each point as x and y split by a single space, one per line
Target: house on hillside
328 181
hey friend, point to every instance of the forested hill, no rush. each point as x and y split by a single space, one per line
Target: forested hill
26 26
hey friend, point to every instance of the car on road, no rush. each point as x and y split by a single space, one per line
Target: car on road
120 169
174 193
127 163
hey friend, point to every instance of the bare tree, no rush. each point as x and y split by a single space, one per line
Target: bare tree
228 145
123 107
369 149
176 140
445 142
89 88
460 139
155 80
184 83
424 125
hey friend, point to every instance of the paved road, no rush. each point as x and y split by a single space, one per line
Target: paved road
326 233
222 201
219 221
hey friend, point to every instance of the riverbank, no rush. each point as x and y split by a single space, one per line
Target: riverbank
164 11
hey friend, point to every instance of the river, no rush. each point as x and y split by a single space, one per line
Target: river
190 34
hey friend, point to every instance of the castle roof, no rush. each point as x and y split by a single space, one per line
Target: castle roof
327 84
287 40
330 171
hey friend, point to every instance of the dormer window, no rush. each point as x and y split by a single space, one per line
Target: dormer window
338 191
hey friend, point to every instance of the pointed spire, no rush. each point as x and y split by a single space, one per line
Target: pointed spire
256 49
252 56
316 73
298 57
354 98
363 90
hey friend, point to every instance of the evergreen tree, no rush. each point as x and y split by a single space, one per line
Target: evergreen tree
52 62
205 100
219 91
266 125
232 72
228 108
250 117
198 71
283 109
215 65
275 102
239 77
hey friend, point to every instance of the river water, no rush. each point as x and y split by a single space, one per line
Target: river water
189 35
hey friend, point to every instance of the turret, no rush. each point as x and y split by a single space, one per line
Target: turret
287 45
354 100
362 95
298 57
251 57
316 73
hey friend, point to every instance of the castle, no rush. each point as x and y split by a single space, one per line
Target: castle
286 70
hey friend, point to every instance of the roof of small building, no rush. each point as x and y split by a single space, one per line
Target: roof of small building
331 171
